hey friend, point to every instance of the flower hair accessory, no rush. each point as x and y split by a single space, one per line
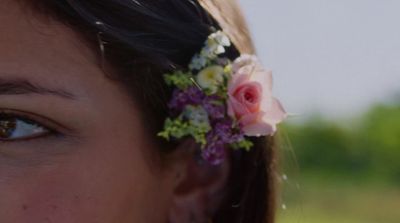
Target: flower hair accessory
221 103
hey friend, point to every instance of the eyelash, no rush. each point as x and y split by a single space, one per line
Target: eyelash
30 119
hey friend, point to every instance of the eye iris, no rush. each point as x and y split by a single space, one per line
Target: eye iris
7 127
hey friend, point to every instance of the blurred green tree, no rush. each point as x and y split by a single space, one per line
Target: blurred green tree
369 149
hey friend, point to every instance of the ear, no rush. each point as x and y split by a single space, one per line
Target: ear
199 189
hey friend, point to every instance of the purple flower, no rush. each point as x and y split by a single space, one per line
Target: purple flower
214 107
214 152
189 96
226 132
223 133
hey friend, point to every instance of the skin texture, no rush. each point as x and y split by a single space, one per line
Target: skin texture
95 169
91 162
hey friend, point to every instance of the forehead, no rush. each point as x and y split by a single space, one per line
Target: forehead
36 44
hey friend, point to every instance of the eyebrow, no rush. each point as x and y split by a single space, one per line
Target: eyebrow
23 86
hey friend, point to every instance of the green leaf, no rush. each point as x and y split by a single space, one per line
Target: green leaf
244 144
179 79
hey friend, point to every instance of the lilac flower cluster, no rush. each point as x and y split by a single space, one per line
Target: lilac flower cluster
223 133
212 104
223 129
190 96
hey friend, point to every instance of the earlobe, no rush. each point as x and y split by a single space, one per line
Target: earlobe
199 190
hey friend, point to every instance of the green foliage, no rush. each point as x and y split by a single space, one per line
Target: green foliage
178 128
244 144
174 128
380 136
349 172
180 79
333 202
370 148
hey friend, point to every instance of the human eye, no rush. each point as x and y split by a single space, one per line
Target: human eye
19 126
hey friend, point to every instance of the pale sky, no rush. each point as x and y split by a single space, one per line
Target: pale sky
334 56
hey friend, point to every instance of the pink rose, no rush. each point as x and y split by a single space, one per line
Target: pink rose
250 97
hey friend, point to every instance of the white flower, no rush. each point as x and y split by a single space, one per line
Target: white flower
214 45
197 115
197 63
208 52
221 38
211 49
219 49
211 77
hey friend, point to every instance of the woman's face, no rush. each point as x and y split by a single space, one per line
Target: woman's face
71 148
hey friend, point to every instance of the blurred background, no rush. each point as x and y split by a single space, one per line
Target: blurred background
337 71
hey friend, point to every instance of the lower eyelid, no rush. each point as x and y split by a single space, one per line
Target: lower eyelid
26 139
40 151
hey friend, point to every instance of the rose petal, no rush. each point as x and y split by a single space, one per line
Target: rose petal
235 108
243 60
235 81
250 80
252 89
264 77
259 129
251 118
253 125
275 113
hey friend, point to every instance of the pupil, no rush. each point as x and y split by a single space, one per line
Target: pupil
7 127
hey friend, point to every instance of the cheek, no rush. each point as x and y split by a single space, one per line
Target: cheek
105 182
34 195
40 197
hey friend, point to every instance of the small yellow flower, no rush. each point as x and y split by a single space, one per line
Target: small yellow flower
211 77
228 69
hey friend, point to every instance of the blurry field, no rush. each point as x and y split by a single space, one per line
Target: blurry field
338 203
342 172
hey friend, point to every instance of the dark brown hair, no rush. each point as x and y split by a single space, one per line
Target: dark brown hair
143 39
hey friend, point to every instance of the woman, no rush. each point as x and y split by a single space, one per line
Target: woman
83 104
